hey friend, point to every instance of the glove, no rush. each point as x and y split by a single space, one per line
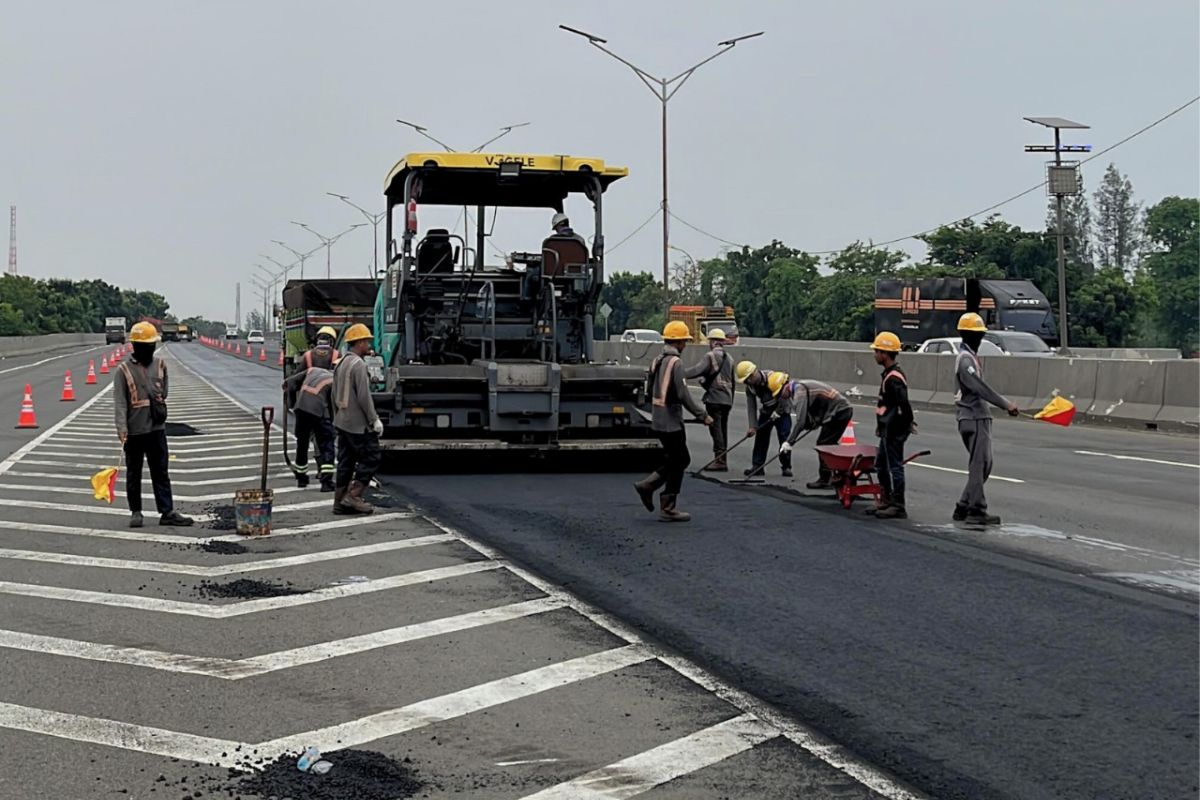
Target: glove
785 448
707 420
378 427
774 416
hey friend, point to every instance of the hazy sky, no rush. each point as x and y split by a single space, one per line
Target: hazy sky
163 144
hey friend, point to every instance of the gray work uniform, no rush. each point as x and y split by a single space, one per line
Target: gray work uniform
354 411
759 393
975 424
666 386
818 404
715 372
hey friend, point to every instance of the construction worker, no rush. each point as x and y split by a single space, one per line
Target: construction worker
561 225
358 426
322 355
815 404
975 420
715 372
313 407
893 424
665 384
775 414
140 400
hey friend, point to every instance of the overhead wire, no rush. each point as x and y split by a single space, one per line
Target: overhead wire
636 230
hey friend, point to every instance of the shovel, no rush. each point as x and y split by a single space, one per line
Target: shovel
252 507
755 475
721 455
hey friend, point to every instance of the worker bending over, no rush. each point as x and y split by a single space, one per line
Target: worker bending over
665 384
358 426
313 407
975 421
893 424
715 372
815 404
767 411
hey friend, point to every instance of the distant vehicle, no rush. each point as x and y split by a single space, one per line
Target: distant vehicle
641 336
917 310
170 331
951 345
255 337
1018 343
231 333
185 333
114 330
701 319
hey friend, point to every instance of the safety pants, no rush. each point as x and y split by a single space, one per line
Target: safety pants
675 460
311 426
762 439
151 447
889 464
358 457
719 430
977 438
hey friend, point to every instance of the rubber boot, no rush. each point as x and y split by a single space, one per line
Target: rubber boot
353 501
895 510
327 483
667 511
339 494
885 500
302 479
719 465
646 488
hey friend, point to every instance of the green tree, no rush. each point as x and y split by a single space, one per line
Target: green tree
1118 221
1172 266
648 308
738 279
1077 231
842 308
787 292
254 321
1104 309
619 291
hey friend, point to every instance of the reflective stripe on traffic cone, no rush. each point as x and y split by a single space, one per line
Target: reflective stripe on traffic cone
249 351
103 366
68 392
262 354
848 436
91 376
238 352
28 419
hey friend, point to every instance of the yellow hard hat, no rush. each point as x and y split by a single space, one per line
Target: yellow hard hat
971 322
327 331
776 381
358 332
887 342
143 333
716 333
676 331
743 370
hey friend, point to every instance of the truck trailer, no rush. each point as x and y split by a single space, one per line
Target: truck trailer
114 330
929 308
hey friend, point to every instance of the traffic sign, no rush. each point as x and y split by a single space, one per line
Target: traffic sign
605 309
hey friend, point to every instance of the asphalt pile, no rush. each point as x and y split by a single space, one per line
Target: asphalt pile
181 429
223 517
224 548
245 588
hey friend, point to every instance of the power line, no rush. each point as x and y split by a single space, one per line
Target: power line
981 212
637 230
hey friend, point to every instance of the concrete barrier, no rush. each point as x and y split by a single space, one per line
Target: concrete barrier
945 387
921 372
1181 396
11 346
1128 392
1016 378
1072 378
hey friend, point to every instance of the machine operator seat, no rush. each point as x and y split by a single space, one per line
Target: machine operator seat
435 253
563 255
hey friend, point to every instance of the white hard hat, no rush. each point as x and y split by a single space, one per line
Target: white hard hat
559 219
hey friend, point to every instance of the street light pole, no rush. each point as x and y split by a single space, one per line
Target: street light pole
328 242
301 257
664 89
271 278
374 219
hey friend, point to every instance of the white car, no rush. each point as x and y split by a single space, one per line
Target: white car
950 346
642 336
255 337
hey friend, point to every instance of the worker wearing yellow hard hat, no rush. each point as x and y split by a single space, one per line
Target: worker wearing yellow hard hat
893 424
767 411
357 423
715 372
668 391
140 397
816 406
975 421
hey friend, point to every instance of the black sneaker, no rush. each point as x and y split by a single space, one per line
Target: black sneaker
786 472
819 484
751 471
136 520
175 519
960 513
977 517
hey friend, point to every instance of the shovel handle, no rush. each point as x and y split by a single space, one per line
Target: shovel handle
916 455
268 416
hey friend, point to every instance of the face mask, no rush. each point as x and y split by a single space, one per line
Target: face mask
143 352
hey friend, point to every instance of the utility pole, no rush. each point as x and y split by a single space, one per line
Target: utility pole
664 89
237 314
12 240
1062 180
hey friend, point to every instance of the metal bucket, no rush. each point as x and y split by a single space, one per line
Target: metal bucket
252 511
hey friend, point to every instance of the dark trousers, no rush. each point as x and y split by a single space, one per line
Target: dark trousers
762 439
309 426
153 448
831 433
889 463
358 457
719 430
675 460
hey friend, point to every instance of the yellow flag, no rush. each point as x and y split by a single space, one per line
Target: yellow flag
104 484
1059 411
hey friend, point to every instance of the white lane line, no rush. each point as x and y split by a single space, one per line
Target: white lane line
1138 458
327 525
107 509
640 773
807 739
243 607
962 472
96 730
174 450
528 761
238 669
1154 578
26 448
207 750
460 703
183 471
85 476
174 568
183 498
72 354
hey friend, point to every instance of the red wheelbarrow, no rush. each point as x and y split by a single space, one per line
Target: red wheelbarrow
849 463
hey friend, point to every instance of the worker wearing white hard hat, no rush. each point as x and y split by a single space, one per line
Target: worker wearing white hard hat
561 224
715 372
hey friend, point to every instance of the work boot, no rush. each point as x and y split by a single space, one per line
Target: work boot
667 511
895 510
786 472
979 516
339 494
754 470
960 512
175 519
819 483
884 501
327 483
302 479
719 465
136 520
647 487
353 501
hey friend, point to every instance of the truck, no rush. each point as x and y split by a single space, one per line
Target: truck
114 330
701 319
917 309
170 331
185 333
309 305
478 352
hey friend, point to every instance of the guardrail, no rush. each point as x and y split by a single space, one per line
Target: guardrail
1132 393
46 343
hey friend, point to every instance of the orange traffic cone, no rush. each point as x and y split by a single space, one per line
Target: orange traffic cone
68 392
249 351
117 355
103 366
262 354
281 358
848 436
238 352
91 376
28 419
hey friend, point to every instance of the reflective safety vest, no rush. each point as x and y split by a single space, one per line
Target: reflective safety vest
136 401
326 357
